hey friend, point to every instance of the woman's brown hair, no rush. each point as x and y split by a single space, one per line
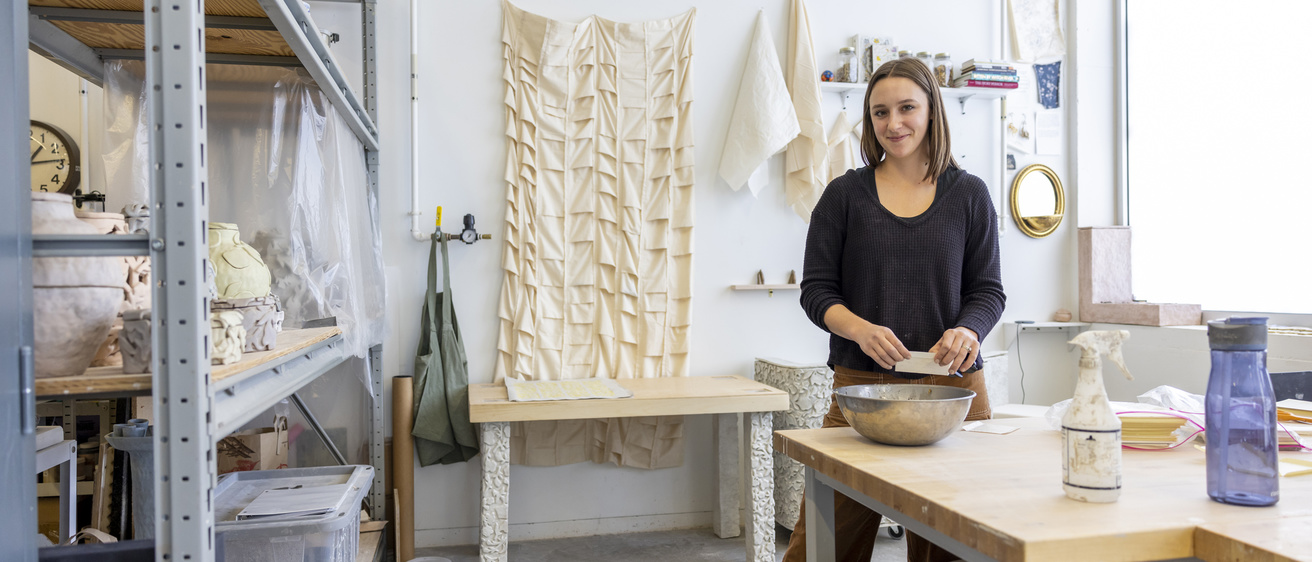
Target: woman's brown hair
938 138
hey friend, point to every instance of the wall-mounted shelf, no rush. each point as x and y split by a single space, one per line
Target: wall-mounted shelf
767 287
1052 326
960 94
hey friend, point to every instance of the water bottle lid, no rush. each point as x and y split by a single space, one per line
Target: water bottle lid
1237 334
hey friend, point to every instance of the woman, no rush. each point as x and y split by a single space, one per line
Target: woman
901 255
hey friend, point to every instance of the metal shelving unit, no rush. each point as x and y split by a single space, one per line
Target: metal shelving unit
194 405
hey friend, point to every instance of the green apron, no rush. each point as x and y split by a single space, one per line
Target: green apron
442 430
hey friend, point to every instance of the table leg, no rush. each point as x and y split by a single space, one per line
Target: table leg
493 536
760 530
68 493
725 517
819 506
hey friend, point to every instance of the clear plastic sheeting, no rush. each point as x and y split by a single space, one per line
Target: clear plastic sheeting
285 167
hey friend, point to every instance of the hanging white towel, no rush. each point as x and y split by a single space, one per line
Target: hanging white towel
763 120
841 147
807 155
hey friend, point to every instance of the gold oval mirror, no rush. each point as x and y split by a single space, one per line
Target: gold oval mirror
1037 200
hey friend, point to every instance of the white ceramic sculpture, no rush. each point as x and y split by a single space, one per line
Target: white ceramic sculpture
239 271
138 218
136 283
227 337
75 300
262 319
134 341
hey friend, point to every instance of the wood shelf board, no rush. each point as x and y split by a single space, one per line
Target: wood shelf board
112 380
666 396
766 287
997 507
372 538
949 93
99 35
239 8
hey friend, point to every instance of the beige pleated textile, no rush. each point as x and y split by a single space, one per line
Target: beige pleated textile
807 156
599 216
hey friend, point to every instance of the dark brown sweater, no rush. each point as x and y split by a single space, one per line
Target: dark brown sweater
917 276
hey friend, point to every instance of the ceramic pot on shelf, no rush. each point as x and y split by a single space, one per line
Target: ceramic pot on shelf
239 273
75 300
136 284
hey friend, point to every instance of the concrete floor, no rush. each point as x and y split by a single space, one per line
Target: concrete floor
691 545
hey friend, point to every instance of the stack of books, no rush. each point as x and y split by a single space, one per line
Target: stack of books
986 74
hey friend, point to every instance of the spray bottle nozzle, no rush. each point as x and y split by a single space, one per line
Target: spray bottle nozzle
1105 342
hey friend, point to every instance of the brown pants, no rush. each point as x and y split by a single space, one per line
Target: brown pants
856 525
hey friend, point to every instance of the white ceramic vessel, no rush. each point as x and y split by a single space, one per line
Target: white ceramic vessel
75 300
239 271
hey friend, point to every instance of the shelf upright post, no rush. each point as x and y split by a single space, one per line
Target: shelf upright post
369 25
17 404
183 399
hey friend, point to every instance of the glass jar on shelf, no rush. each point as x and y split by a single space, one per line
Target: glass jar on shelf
904 54
849 66
943 70
928 59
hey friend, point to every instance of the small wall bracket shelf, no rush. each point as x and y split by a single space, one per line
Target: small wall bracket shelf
960 94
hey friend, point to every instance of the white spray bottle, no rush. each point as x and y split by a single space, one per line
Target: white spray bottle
1090 430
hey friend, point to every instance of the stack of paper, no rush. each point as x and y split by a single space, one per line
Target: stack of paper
527 391
298 501
1146 430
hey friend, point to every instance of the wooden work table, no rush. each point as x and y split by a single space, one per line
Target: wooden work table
999 497
722 396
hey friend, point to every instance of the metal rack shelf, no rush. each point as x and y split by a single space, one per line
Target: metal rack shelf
195 404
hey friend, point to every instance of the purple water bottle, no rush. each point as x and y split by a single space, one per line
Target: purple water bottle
1241 415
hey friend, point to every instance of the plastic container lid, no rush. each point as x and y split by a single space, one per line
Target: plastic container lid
1237 334
235 491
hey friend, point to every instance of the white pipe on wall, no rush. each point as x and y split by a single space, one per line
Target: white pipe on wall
415 231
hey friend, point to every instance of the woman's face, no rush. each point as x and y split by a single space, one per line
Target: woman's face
899 110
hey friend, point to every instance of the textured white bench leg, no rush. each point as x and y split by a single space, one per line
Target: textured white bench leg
494 536
760 530
725 516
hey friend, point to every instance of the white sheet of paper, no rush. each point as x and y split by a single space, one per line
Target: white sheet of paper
985 427
1047 133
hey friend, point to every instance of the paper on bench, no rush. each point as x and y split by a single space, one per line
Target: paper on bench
575 389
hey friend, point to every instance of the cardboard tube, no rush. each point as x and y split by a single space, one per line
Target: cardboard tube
403 464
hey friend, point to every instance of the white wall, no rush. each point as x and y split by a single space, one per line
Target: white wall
55 97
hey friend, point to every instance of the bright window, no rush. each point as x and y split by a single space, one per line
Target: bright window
1220 131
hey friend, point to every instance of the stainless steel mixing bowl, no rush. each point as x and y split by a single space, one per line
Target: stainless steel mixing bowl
904 414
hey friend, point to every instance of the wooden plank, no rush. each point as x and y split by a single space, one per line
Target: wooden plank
1282 540
371 546
776 287
1002 494
217 40
668 396
112 380
242 8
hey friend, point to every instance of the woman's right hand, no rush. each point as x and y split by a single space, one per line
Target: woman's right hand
881 344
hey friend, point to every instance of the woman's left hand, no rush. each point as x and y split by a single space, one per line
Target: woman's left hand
958 347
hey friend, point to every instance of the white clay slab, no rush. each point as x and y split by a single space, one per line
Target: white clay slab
921 362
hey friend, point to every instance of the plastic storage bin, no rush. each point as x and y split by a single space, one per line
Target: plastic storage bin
332 537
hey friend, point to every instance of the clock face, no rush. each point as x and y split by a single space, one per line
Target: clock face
55 160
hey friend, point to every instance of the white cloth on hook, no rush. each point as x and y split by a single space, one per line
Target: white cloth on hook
807 156
763 120
841 147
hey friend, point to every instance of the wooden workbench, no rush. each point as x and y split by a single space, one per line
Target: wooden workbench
999 497
722 396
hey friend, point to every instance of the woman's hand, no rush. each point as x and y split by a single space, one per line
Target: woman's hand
881 344
958 347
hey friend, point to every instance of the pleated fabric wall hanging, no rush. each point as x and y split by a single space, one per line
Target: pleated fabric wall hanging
598 249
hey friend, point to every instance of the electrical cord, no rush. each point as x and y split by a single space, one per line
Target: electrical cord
1019 362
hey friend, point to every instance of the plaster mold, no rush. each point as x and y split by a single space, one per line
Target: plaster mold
239 271
134 341
136 283
760 535
261 318
809 387
227 337
75 300
494 536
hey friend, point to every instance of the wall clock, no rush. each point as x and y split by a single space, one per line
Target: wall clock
56 162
